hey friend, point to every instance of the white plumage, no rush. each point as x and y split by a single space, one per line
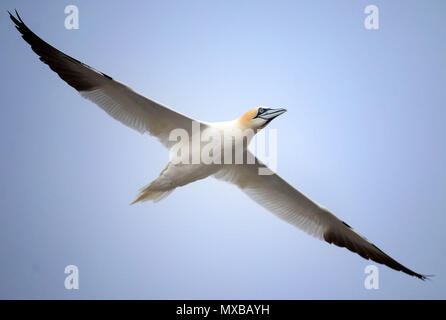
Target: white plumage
145 115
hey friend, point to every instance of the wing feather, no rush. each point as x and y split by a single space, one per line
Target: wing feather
276 195
115 98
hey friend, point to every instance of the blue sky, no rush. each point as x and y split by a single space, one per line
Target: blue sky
363 136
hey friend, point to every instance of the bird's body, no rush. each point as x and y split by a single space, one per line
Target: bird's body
146 116
194 167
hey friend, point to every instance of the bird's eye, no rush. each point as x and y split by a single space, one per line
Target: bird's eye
261 110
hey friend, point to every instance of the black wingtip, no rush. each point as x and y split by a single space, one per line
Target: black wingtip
14 19
17 19
18 16
425 277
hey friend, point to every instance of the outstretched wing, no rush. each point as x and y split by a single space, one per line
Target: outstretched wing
118 100
276 195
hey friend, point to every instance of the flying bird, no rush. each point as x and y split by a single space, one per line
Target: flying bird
147 116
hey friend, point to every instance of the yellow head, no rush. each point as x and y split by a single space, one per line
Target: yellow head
258 117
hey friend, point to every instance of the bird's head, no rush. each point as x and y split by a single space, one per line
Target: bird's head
259 117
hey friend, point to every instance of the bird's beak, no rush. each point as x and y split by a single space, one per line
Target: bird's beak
270 114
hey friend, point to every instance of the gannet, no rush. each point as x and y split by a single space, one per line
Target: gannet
147 116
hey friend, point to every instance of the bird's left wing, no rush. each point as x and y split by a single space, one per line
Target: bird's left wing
118 100
276 195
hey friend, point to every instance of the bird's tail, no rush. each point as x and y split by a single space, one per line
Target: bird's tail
149 193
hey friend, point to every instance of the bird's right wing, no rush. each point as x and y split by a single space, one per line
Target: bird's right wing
118 100
276 195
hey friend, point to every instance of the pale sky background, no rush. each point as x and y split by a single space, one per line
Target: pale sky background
364 136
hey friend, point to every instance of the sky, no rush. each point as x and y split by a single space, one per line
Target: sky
364 136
